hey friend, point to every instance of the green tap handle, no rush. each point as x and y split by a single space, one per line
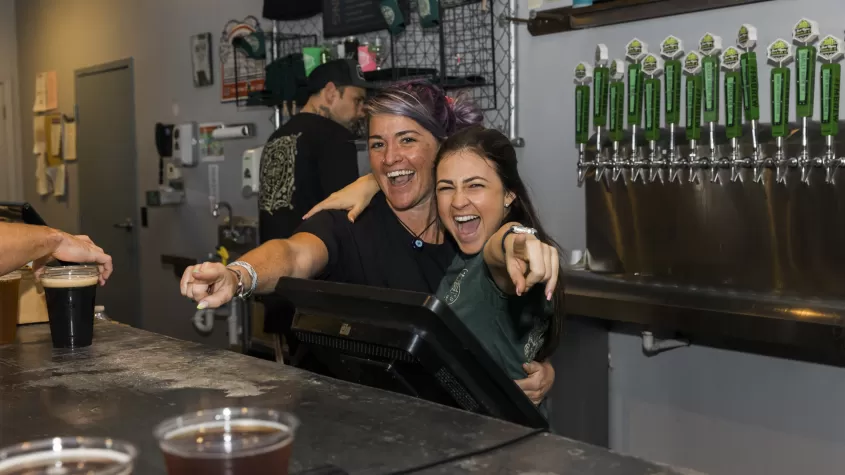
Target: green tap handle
601 77
805 73
672 91
652 109
694 93
750 86
635 94
733 105
582 114
711 64
829 85
617 111
780 101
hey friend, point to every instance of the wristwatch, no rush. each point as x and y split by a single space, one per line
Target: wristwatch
517 229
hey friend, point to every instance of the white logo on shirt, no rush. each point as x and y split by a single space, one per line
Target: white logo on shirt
455 290
536 338
277 174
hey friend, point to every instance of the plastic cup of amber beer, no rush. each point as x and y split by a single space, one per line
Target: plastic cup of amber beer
10 285
68 456
70 292
228 441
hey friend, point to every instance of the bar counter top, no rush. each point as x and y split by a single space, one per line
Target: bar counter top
129 380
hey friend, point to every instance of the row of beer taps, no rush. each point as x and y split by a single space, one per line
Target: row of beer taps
703 85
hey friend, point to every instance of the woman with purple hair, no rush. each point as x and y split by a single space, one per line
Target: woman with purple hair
397 242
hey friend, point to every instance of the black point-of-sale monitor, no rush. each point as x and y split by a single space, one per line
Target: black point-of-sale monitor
405 342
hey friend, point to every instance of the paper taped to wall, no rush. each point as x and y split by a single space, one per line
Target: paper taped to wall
69 141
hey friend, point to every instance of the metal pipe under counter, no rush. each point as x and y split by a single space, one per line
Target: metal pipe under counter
764 322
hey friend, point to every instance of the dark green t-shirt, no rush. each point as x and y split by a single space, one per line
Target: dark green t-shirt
512 329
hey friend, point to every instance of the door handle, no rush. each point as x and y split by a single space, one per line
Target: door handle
127 224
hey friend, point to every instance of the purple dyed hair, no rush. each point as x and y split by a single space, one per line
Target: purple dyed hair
428 105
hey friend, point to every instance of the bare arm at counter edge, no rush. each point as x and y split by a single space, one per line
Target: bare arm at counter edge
212 285
23 243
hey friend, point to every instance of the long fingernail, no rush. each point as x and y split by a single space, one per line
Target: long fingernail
549 296
202 305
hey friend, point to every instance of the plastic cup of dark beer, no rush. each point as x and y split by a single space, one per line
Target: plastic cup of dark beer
228 441
68 456
70 292
9 291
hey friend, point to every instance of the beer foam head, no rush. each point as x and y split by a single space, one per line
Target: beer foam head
14 275
69 281
68 462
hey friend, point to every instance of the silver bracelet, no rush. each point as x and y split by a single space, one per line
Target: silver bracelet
252 275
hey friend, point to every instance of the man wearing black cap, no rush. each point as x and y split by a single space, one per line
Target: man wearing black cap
307 159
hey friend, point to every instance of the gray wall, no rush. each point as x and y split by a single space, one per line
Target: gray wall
716 411
11 190
65 35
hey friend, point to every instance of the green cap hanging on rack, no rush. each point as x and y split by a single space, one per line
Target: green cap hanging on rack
672 49
393 16
779 54
805 34
710 46
429 13
583 76
252 45
830 53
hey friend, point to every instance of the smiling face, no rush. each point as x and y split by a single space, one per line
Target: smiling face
471 199
402 155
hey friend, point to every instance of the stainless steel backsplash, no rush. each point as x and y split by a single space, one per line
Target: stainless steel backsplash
744 236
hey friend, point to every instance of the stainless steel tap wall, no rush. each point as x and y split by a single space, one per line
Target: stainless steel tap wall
744 236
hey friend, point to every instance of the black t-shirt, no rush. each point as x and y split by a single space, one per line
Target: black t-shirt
304 161
377 250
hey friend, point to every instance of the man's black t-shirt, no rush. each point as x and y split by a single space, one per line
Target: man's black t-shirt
377 250
304 161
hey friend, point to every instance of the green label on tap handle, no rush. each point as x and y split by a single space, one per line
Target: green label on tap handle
710 64
780 101
652 109
733 105
672 88
805 72
617 111
582 114
635 94
829 84
750 86
600 82
693 131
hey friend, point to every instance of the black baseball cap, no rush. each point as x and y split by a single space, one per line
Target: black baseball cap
340 72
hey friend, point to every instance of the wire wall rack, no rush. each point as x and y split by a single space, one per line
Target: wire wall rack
469 53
